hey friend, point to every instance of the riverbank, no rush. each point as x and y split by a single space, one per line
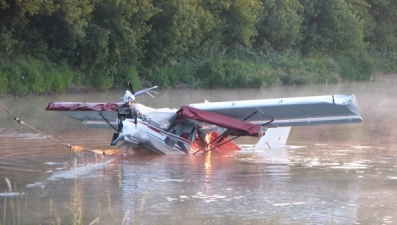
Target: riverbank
27 76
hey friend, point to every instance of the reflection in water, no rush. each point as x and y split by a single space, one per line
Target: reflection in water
341 174
208 172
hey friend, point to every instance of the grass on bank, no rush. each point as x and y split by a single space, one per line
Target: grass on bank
256 70
23 76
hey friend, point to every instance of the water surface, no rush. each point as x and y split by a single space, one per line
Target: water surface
332 174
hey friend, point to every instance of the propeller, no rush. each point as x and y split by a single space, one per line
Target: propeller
130 95
131 88
148 91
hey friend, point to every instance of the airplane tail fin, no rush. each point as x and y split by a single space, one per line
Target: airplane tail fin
274 138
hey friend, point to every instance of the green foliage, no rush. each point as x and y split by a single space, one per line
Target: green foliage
280 27
58 78
296 70
15 24
102 80
384 35
34 7
158 75
332 27
3 83
31 74
96 51
115 36
24 76
17 84
45 45
386 61
8 43
357 66
180 29
184 73
128 73
241 19
214 73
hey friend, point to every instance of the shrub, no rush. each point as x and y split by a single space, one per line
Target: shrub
31 71
125 74
386 61
356 67
17 85
102 80
3 84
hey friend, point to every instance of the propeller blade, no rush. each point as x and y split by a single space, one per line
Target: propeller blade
150 94
141 92
132 89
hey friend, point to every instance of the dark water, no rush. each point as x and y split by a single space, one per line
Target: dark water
344 174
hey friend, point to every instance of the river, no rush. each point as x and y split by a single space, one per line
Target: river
331 174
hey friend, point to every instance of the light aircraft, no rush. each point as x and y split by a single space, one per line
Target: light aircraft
209 126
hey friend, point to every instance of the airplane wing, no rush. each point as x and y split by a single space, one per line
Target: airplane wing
92 114
236 127
298 111
99 115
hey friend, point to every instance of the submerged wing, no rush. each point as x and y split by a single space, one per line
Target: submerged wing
298 111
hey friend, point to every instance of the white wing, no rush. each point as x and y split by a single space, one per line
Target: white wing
298 111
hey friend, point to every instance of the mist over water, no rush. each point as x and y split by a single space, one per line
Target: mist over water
331 174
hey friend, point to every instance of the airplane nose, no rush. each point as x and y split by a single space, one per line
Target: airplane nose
136 131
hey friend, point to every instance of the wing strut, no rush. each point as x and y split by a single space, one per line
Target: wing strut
225 134
231 139
246 118
107 121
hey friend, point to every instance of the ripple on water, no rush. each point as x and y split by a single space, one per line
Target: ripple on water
207 198
266 156
11 194
357 165
80 171
35 184
23 136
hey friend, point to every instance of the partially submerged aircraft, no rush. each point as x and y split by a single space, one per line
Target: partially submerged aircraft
209 126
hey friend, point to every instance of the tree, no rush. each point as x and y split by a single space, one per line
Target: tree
15 19
241 18
180 29
115 35
332 27
384 36
280 26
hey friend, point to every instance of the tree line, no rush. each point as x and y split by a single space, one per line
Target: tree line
104 42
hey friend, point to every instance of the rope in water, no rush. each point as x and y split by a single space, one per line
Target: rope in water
73 148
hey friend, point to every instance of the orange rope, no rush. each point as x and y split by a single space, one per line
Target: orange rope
73 148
